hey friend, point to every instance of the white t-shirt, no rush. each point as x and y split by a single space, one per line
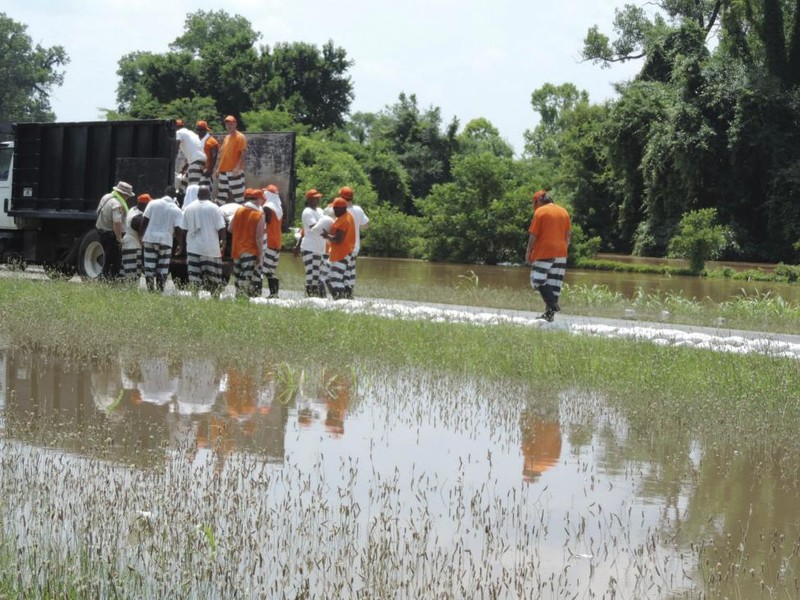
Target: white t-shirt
361 219
202 220
324 224
228 210
312 239
191 194
164 217
191 146
131 240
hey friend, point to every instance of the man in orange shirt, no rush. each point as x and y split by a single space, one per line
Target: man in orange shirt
247 228
231 164
211 149
342 238
548 242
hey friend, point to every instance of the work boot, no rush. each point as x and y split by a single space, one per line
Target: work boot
549 298
548 315
311 291
348 293
274 286
321 290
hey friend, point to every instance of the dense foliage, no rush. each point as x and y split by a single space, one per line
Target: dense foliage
711 122
27 74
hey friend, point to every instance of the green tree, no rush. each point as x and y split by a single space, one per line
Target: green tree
700 238
479 136
27 74
216 57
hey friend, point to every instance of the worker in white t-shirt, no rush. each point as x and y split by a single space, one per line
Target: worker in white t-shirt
205 229
362 223
312 245
188 142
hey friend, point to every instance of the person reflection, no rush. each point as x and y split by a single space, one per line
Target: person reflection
107 389
541 444
158 386
336 395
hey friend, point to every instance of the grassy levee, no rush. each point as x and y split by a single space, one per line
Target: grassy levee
754 397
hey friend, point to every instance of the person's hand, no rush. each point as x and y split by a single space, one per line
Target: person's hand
296 251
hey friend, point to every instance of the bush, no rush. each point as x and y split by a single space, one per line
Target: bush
699 238
392 234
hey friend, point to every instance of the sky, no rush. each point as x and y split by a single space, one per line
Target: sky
470 58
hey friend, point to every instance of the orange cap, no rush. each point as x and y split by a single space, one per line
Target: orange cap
539 195
179 122
203 125
346 193
272 188
251 193
313 193
339 202
143 198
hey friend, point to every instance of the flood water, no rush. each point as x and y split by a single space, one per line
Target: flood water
334 482
428 274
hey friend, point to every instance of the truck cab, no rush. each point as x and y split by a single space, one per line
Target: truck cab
6 166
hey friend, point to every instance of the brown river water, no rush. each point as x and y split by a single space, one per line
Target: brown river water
338 482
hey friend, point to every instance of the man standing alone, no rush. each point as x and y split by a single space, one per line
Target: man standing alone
111 214
231 164
548 242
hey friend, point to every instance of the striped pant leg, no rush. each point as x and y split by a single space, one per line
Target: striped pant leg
312 263
195 172
224 188
194 267
336 274
164 257
244 269
132 263
269 265
539 272
150 259
350 277
231 188
211 267
555 275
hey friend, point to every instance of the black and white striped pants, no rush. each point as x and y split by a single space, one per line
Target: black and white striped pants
246 275
549 271
231 188
156 259
131 263
204 270
312 262
269 265
337 271
350 276
195 172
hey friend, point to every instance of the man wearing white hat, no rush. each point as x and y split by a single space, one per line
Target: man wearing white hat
111 213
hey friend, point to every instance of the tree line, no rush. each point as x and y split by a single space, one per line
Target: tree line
708 132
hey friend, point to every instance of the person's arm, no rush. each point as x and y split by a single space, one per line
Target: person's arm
260 229
212 161
180 240
531 242
569 236
143 228
117 223
242 152
222 239
336 238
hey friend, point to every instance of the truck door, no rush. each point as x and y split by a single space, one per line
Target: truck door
6 159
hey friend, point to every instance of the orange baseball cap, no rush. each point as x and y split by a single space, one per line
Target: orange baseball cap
346 193
313 193
272 188
537 196
251 193
339 203
203 125
143 198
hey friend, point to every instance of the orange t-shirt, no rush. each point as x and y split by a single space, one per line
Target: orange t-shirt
550 225
210 144
341 249
273 230
233 147
245 228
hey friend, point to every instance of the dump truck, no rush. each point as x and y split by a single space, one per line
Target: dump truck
52 176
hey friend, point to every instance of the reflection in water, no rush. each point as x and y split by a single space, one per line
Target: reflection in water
423 493
541 444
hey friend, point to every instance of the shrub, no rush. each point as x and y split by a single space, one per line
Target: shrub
700 238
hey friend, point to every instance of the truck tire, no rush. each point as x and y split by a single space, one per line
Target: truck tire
91 256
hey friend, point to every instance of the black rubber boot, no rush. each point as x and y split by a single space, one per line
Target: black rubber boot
274 286
549 298
321 290
311 291
256 288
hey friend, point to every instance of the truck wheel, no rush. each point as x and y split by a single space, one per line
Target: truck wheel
91 256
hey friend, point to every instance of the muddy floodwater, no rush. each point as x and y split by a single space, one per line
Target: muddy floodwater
151 479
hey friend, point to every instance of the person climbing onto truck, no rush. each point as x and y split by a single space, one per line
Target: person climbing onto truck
231 164
111 212
188 142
